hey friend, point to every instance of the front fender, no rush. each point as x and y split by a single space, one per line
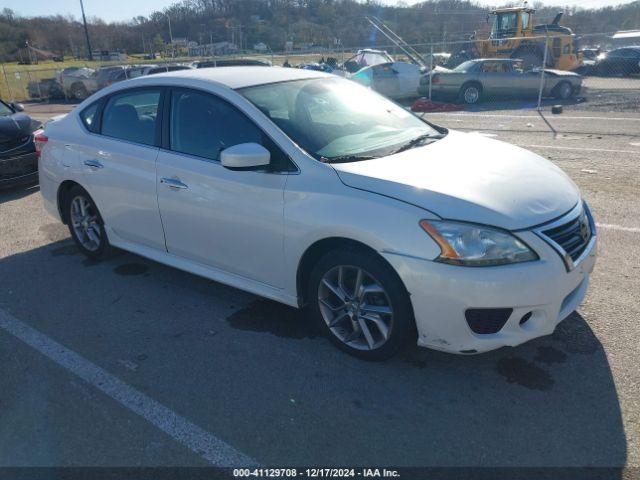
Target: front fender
384 224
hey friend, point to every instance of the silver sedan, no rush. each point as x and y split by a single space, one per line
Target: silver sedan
488 79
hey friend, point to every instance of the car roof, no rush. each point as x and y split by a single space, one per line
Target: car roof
237 77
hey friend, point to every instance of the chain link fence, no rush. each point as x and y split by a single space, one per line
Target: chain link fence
590 72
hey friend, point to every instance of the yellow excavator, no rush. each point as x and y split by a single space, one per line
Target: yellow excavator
514 35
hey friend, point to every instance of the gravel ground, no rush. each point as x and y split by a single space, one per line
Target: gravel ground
257 376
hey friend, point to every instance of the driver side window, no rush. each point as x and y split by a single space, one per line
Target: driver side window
203 125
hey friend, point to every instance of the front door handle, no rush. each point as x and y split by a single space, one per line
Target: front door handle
93 163
173 183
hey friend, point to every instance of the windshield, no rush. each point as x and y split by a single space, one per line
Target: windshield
5 110
336 119
105 73
81 72
373 58
504 25
465 66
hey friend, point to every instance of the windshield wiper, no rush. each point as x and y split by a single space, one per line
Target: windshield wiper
346 158
418 141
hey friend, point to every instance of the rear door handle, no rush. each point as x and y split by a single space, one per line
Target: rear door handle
93 163
173 183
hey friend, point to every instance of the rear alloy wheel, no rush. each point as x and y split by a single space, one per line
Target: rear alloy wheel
564 91
361 304
86 225
471 93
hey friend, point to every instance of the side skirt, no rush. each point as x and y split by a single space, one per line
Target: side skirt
206 271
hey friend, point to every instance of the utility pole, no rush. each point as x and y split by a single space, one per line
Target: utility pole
86 31
170 35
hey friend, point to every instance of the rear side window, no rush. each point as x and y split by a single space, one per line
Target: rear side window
204 125
89 117
132 116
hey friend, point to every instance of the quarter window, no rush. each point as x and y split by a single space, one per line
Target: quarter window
89 117
132 116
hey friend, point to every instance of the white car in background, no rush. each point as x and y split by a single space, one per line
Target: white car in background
378 70
313 191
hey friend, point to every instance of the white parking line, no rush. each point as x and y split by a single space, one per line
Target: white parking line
203 443
582 149
609 226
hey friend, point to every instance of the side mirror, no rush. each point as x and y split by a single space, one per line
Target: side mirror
245 155
18 107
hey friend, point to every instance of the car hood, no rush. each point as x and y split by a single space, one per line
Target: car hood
470 178
15 126
561 73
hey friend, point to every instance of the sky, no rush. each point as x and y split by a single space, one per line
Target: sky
123 10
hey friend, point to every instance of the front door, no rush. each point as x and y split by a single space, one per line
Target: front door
497 79
227 219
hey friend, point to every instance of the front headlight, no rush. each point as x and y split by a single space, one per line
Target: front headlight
475 245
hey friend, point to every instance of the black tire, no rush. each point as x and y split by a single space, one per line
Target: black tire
79 91
470 93
402 327
103 249
563 91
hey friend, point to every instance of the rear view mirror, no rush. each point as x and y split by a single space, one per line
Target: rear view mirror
245 155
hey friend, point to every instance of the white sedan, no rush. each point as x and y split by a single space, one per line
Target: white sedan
314 191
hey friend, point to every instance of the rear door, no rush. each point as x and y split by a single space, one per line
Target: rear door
119 165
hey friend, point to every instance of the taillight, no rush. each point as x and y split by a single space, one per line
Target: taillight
40 139
436 79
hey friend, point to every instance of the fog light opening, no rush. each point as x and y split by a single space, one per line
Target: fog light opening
486 321
525 318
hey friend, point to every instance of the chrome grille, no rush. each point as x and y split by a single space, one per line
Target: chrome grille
571 237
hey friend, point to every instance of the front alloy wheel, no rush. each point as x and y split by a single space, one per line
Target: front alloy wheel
355 307
360 303
565 91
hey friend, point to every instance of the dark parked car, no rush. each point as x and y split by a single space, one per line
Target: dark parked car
105 76
146 70
18 159
619 62
233 62
45 88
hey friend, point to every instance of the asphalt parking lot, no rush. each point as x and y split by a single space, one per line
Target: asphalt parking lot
128 362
